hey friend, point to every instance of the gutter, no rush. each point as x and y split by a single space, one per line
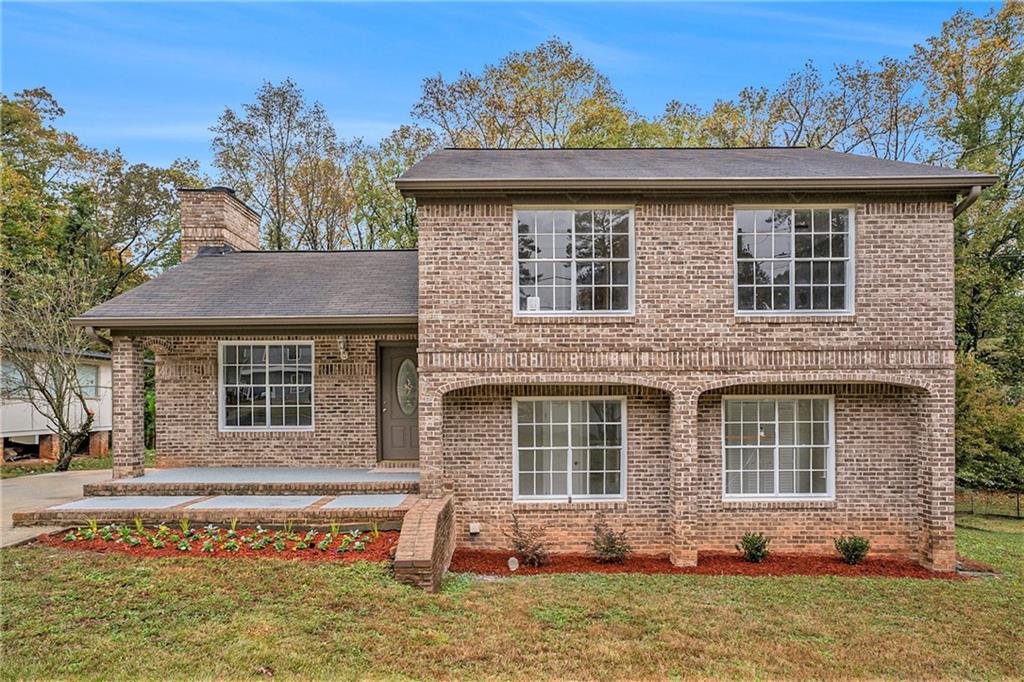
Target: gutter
412 186
966 202
242 322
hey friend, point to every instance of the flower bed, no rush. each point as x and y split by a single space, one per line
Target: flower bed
487 562
214 541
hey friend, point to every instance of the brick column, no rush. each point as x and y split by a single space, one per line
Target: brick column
431 420
938 477
683 473
128 402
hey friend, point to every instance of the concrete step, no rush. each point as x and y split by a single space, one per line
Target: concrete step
302 510
196 481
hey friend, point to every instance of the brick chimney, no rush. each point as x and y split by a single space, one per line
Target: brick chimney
216 219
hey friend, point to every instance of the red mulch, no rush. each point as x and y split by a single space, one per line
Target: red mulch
489 562
376 550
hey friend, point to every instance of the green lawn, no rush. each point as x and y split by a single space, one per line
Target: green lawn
80 463
112 616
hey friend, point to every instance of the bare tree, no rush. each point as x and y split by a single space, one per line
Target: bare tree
44 349
256 152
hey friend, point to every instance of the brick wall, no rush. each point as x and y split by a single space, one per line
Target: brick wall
478 470
684 283
344 397
685 341
426 543
877 441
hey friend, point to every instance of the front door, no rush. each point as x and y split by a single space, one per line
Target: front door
398 402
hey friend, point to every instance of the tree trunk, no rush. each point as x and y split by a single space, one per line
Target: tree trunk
71 442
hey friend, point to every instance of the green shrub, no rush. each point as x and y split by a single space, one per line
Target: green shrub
754 547
527 544
853 549
608 546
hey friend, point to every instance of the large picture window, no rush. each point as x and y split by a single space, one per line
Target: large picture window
778 447
569 449
266 386
574 261
794 260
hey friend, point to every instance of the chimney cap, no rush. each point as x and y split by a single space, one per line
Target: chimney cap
215 188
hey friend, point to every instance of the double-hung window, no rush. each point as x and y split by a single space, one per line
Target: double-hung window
778 447
574 261
569 449
266 386
794 260
89 380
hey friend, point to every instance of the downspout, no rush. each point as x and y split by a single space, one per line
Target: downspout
91 333
966 202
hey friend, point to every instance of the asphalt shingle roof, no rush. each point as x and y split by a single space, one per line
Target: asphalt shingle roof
783 167
256 286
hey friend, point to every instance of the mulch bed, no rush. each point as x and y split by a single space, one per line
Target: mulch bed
379 549
488 562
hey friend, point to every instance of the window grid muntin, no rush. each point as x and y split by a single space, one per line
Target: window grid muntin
610 285
822 222
267 385
578 432
813 420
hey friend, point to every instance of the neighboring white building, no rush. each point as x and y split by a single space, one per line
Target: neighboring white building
22 423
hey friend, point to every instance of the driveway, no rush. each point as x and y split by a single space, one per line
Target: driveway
26 493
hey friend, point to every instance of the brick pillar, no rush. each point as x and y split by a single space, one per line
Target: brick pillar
938 477
49 447
99 443
129 398
431 418
683 477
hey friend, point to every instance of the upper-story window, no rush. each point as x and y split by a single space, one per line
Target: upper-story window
794 260
574 261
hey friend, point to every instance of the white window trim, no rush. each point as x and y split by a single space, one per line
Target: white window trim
631 311
623 460
97 388
851 274
830 464
222 408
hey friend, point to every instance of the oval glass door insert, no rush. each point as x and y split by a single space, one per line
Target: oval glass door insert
407 388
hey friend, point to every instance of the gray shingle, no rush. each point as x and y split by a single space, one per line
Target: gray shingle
668 167
268 285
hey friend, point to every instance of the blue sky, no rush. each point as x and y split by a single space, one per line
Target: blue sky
151 78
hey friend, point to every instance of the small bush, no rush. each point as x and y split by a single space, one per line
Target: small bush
527 544
608 546
754 547
852 549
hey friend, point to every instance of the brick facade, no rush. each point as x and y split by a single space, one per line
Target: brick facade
344 380
889 364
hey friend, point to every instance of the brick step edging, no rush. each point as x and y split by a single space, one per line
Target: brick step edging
128 487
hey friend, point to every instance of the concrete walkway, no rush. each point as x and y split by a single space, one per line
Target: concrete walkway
28 493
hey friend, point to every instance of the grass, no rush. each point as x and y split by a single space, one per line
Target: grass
79 463
76 614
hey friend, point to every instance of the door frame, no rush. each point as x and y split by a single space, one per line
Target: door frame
379 390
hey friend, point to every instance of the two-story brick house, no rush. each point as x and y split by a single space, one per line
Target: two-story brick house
690 343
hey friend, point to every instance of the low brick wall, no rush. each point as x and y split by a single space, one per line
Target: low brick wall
426 544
